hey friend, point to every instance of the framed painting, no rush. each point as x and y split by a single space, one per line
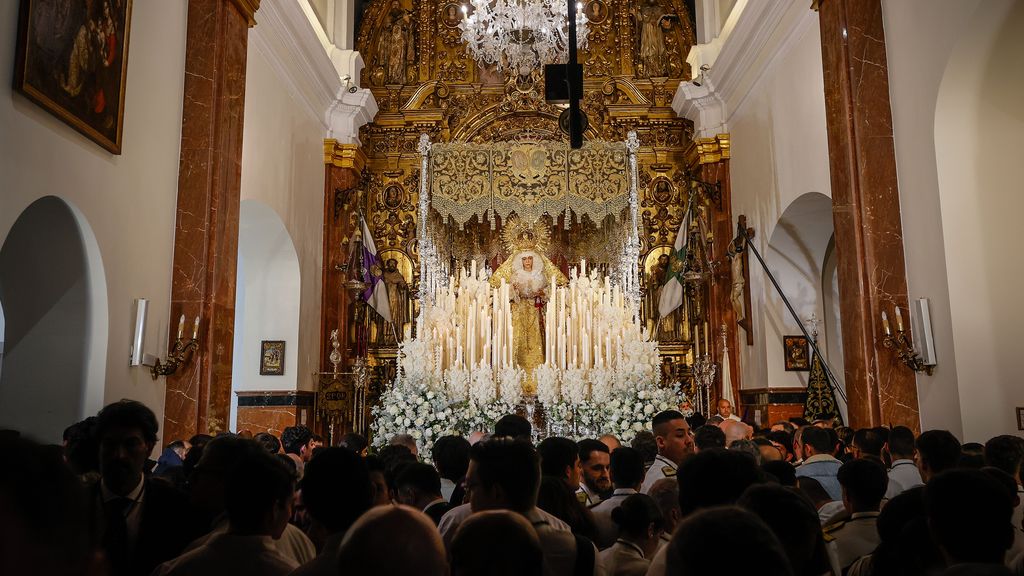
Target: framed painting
272 358
797 353
1020 418
71 60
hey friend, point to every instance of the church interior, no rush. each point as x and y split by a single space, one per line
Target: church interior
256 214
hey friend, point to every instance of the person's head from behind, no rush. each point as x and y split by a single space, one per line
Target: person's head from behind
815 441
393 541
714 478
451 457
781 471
513 426
794 521
627 468
209 478
645 443
298 440
418 485
969 516
503 474
900 445
783 441
259 494
868 443
640 522
665 493
708 436
269 442
405 440
864 482
336 489
496 543
937 451
813 490
559 458
595 463
354 442
127 433
672 435
44 520
611 441
378 480
703 539
81 446
1005 453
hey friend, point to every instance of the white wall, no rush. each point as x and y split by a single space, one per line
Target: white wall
266 301
955 86
780 153
128 201
282 167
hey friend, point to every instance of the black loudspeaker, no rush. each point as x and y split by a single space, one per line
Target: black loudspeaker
556 89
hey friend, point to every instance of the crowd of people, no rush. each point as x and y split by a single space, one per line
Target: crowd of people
689 495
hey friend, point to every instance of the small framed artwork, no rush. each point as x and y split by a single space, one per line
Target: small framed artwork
71 59
272 358
797 353
1020 418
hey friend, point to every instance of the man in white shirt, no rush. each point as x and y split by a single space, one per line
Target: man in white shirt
259 494
903 474
863 483
675 443
725 410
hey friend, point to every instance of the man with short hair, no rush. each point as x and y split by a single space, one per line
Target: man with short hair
419 486
708 436
451 458
675 443
505 474
818 462
512 426
627 473
969 519
405 440
937 451
142 521
595 481
560 458
735 430
868 443
610 441
1007 454
725 410
665 494
903 474
259 495
863 483
298 445
268 441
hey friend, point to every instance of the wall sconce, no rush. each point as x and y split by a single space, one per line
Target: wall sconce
901 343
180 354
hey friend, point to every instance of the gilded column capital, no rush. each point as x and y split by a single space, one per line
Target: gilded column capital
344 155
711 150
248 9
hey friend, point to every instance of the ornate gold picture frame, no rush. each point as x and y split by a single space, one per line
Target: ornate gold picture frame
72 59
797 353
272 358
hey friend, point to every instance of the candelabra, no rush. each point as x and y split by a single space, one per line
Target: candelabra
179 356
704 370
901 343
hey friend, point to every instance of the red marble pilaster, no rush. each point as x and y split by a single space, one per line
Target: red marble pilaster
206 232
866 210
341 200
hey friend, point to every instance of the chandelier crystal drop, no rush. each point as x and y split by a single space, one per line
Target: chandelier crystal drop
520 35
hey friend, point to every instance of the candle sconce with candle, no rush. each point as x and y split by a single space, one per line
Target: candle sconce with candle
901 343
180 354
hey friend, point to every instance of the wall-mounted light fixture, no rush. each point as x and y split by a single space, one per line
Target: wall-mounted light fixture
180 354
901 343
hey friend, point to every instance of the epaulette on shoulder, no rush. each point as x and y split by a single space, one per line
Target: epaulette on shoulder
830 530
668 471
581 497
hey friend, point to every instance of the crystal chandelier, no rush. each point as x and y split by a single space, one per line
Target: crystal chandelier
520 35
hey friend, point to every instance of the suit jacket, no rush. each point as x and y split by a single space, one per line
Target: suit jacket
437 510
165 527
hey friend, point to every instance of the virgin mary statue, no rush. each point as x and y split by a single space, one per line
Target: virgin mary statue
529 274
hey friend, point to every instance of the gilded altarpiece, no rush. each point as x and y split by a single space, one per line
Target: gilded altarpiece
451 99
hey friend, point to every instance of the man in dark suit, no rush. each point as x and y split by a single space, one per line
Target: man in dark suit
419 486
138 522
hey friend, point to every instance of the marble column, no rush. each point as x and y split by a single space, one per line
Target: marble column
713 155
198 396
866 211
344 164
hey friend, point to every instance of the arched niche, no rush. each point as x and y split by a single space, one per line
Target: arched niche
53 291
801 255
267 296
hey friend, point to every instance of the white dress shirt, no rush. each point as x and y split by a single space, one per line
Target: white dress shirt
230 554
662 468
607 530
133 514
903 475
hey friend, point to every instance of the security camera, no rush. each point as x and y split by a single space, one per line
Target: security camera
699 79
346 78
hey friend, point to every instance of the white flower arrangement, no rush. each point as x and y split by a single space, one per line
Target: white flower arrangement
630 410
547 384
511 379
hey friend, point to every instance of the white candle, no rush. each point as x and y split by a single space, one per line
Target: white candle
181 326
885 323
195 329
899 320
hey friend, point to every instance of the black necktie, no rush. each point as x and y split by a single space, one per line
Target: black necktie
115 537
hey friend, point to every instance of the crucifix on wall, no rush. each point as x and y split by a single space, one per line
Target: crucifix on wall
739 295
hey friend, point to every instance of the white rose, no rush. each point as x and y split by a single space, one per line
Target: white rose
648 409
637 426
417 434
406 422
419 422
